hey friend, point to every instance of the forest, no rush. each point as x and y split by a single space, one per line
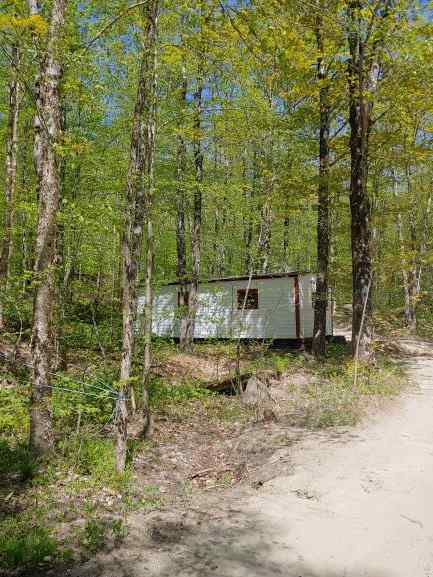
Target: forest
149 142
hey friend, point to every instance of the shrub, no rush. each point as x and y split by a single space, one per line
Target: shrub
161 392
91 400
24 545
17 460
94 535
94 458
14 420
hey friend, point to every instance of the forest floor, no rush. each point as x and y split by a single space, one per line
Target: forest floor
347 503
212 459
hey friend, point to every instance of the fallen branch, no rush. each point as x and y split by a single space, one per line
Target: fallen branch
210 470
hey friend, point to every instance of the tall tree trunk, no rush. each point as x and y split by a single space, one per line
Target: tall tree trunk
268 176
264 247
196 216
47 135
149 193
403 258
60 344
137 216
26 252
415 248
220 225
68 239
424 238
362 78
10 177
248 219
321 297
180 222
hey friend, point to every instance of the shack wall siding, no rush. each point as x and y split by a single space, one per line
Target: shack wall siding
218 315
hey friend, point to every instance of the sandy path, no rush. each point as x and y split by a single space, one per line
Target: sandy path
357 505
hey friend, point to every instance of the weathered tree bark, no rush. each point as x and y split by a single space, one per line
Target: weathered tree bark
10 177
196 216
180 222
321 296
47 134
363 73
137 216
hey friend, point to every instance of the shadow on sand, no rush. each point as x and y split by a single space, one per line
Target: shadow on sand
238 545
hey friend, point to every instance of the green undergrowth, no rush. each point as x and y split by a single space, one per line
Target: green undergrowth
78 483
24 544
341 391
162 392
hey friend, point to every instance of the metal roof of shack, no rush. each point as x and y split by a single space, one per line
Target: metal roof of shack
270 275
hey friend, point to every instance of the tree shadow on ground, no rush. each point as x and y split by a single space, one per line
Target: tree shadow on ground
239 545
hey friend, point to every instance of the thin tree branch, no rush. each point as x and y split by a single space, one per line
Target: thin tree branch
337 132
112 23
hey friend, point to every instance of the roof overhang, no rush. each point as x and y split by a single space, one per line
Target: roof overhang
263 276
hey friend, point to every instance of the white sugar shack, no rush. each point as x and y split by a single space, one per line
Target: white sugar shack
277 306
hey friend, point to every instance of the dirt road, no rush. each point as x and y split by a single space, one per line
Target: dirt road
359 504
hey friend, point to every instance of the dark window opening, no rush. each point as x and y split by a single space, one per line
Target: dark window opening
251 301
185 298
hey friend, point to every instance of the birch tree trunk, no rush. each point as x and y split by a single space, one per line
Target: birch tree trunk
321 297
137 216
10 177
47 134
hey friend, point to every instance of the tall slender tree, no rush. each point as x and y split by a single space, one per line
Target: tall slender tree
47 137
365 39
10 175
181 207
196 218
321 295
137 217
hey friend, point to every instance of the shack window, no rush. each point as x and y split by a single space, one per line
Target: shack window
186 298
251 301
